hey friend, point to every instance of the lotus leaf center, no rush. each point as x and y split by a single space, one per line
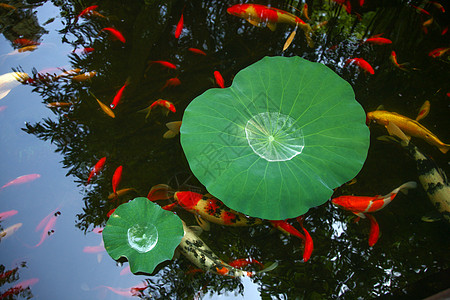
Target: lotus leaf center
142 238
274 136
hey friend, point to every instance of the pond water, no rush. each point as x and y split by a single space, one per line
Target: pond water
56 250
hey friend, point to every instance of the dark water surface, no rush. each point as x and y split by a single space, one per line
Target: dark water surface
411 258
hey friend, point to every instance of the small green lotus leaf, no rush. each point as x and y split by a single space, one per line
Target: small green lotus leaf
278 140
143 233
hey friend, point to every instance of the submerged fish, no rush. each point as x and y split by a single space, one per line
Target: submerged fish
10 230
11 80
21 179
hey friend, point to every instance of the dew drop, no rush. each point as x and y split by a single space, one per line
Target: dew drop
142 238
274 136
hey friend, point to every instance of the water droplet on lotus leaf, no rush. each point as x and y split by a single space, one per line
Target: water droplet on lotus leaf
142 238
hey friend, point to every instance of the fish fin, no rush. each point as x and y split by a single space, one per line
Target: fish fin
444 148
380 107
197 230
432 216
394 130
406 186
360 214
290 39
205 225
159 192
4 94
174 126
169 134
374 230
268 268
272 26
254 22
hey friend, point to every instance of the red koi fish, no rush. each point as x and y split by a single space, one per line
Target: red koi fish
219 79
116 33
21 179
309 245
26 42
97 168
378 41
7 214
287 228
85 11
438 52
118 96
374 233
171 82
197 51
359 205
360 63
179 27
116 178
163 63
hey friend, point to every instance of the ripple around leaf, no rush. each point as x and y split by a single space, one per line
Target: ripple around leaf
278 140
142 232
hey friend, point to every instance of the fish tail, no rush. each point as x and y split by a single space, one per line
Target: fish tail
406 186
444 148
267 268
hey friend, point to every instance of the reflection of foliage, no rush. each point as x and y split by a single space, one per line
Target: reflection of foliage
12 276
342 264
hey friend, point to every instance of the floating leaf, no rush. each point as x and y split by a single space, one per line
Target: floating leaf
278 140
142 232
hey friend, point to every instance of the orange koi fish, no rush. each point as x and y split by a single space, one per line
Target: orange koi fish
104 107
219 79
179 27
393 58
438 52
360 63
85 11
116 33
97 168
171 82
408 126
21 179
118 96
378 41
257 15
197 51
359 205
163 63
27 49
374 233
7 214
116 178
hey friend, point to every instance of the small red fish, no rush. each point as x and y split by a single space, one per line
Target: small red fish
374 230
219 79
287 228
360 63
393 58
118 96
116 178
164 103
378 41
444 31
115 32
97 168
179 27
197 51
421 10
243 262
163 63
309 245
171 82
438 52
7 214
21 179
85 11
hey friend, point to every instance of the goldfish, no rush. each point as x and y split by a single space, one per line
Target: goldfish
432 178
163 63
160 102
116 33
378 41
118 96
287 228
179 27
408 126
27 48
120 193
305 11
257 14
7 214
393 58
104 107
359 205
11 80
59 104
171 82
197 51
10 230
309 245
116 178
423 111
84 76
174 129
420 10
26 42
196 251
438 52
48 228
219 79
85 11
97 168
21 179
360 62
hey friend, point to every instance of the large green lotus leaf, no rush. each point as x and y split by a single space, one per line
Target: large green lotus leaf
278 140
142 232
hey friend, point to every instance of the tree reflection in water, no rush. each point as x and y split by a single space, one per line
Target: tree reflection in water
342 264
